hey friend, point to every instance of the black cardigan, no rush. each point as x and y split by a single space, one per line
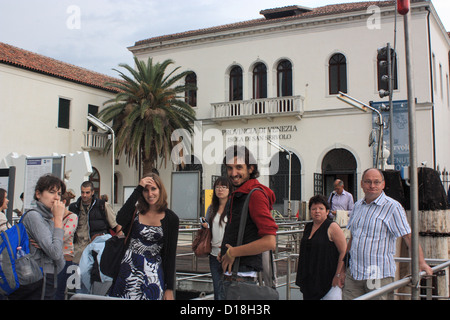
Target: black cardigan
170 224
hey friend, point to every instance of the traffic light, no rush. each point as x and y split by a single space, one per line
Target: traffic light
385 77
403 6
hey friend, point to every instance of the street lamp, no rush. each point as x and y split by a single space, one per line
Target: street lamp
364 107
101 125
281 148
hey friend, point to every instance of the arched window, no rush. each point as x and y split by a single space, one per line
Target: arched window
260 81
191 95
284 79
338 74
236 84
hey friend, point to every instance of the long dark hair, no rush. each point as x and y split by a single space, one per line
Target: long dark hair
221 181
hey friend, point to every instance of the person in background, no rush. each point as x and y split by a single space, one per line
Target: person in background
322 251
147 271
94 218
44 226
4 224
70 222
216 221
340 199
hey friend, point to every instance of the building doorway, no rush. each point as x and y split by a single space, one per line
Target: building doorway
279 182
339 164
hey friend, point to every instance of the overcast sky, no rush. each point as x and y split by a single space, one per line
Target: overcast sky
95 34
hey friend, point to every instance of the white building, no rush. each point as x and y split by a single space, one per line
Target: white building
44 104
284 71
280 72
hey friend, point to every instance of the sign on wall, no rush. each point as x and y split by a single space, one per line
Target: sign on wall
36 167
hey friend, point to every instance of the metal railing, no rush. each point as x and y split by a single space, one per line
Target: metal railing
408 281
287 250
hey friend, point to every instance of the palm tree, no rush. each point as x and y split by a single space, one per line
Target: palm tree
148 107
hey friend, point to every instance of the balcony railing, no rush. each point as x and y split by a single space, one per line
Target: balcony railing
94 140
258 108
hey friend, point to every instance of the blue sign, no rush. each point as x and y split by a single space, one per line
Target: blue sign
400 131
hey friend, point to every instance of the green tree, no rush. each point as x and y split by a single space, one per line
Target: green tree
147 109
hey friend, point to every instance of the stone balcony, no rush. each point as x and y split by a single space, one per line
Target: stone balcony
268 108
94 141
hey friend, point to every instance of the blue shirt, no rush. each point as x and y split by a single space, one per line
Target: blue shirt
375 228
343 201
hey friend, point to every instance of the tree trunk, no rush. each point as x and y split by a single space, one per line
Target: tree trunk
147 166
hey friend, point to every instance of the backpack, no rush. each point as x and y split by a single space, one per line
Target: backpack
17 267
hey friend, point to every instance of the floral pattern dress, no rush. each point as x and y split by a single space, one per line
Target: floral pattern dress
141 276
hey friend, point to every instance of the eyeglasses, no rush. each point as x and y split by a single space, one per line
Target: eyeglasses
376 182
221 187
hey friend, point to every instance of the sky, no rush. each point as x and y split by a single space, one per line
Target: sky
95 34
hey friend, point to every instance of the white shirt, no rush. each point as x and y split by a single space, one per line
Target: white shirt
217 234
375 228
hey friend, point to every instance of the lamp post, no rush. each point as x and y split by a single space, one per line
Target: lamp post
281 148
403 8
101 125
362 106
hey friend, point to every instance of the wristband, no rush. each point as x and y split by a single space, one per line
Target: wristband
228 254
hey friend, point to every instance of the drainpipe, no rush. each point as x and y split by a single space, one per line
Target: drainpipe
432 84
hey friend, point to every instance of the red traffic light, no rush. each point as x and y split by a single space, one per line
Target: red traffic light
403 6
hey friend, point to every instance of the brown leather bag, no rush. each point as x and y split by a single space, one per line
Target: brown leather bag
202 243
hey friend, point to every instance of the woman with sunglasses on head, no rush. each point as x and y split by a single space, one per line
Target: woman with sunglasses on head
147 270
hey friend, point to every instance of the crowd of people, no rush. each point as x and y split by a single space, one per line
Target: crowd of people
65 234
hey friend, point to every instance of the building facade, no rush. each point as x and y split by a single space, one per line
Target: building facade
44 104
278 78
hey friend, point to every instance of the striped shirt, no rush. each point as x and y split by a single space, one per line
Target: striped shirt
375 228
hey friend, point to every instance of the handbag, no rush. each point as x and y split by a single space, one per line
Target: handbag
113 253
202 243
238 290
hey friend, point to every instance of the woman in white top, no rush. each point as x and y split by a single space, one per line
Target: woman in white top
217 219
4 224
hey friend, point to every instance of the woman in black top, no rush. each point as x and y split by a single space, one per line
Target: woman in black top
322 250
147 271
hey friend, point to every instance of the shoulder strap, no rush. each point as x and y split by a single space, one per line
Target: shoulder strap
243 221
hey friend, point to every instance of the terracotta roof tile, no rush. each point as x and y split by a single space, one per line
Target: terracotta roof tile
315 12
38 63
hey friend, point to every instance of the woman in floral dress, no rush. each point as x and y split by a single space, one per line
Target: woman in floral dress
147 271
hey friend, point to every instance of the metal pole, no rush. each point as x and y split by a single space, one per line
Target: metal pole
290 188
414 189
113 166
391 106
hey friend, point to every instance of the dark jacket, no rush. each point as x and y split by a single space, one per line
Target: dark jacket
259 221
97 221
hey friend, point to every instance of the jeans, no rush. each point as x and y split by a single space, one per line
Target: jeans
216 274
62 282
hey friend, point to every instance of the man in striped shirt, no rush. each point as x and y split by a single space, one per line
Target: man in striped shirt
375 224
